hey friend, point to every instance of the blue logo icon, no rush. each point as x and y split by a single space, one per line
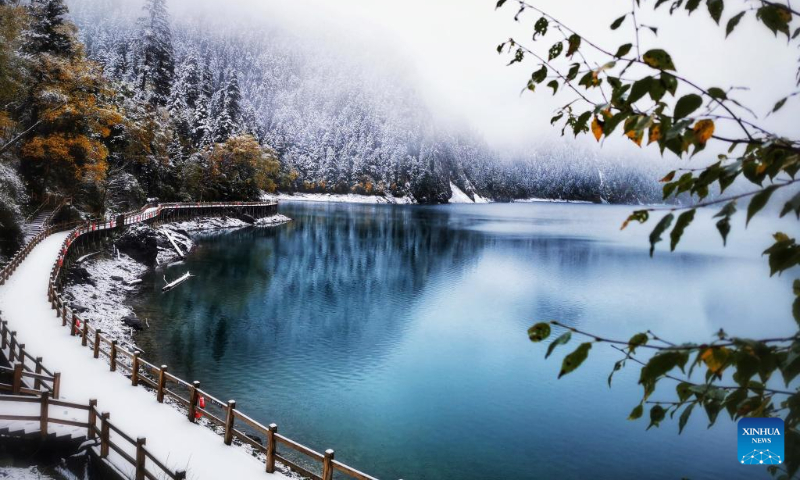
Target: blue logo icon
760 441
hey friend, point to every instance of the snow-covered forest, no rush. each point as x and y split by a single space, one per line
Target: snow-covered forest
112 102
338 125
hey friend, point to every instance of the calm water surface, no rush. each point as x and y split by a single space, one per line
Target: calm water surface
397 335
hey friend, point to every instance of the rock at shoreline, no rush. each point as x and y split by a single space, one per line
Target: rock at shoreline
140 242
80 276
133 322
247 218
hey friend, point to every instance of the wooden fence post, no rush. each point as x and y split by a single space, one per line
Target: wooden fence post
38 383
193 401
271 447
44 416
73 329
162 380
140 458
97 343
13 347
229 422
104 434
5 334
85 333
22 354
327 465
113 355
135 369
64 314
92 418
56 384
17 379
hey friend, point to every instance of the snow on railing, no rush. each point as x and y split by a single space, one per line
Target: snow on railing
98 427
198 403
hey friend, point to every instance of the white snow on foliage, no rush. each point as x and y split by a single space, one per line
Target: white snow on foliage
340 198
171 438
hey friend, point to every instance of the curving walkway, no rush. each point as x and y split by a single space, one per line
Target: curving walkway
23 302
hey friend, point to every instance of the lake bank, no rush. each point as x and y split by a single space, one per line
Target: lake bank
100 286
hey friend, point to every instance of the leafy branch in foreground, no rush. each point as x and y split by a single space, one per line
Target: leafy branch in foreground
634 90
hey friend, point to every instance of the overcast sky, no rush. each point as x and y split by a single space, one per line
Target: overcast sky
448 49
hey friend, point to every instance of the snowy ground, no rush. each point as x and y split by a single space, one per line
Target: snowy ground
101 300
174 440
547 200
340 198
459 196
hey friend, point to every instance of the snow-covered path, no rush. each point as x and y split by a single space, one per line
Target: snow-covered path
172 438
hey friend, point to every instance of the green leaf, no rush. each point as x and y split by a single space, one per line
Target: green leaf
687 104
661 227
775 17
554 85
733 22
555 50
540 27
500 3
636 413
573 71
687 412
658 59
684 391
683 221
562 340
575 359
712 410
783 254
618 22
637 341
623 50
691 5
539 75
717 93
724 228
792 205
574 44
639 89
660 365
539 332
715 8
657 414
724 225
779 104
758 202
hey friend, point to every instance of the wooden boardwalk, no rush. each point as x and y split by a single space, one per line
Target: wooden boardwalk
180 444
116 443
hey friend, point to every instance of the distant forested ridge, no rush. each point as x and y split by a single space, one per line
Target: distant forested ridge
338 125
112 102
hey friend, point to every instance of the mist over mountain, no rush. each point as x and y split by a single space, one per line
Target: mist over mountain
340 120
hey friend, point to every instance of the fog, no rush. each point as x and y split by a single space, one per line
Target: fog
447 49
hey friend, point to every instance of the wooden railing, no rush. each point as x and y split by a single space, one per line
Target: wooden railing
28 373
99 428
234 424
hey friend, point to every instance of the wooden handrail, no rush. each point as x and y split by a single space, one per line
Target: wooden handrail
140 369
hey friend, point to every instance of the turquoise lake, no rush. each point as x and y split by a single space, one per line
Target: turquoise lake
396 335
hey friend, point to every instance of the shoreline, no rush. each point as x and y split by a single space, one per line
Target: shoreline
458 198
100 287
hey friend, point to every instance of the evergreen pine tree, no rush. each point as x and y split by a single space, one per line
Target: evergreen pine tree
157 63
49 31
